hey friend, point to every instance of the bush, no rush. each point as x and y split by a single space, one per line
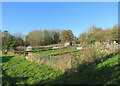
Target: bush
10 43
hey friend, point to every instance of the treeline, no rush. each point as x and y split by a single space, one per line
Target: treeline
98 34
41 38
35 38
10 41
48 37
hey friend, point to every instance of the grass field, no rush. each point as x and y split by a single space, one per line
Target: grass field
20 71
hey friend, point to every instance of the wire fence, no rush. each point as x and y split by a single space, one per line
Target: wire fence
68 60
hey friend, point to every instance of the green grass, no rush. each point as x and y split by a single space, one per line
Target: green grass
21 71
107 72
56 51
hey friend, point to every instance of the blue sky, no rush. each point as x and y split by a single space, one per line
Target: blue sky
78 16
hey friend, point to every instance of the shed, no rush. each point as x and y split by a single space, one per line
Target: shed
28 48
55 47
96 42
68 44
79 48
115 43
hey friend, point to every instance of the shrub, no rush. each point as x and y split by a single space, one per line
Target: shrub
10 43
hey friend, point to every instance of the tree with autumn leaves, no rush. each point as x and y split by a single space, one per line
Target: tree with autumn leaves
67 36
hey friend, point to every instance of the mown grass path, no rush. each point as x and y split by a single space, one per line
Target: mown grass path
20 71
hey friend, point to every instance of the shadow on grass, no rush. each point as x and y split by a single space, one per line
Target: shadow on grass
11 81
90 75
105 75
8 80
6 58
106 57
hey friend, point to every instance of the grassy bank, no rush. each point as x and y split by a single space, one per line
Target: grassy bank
20 71
107 72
